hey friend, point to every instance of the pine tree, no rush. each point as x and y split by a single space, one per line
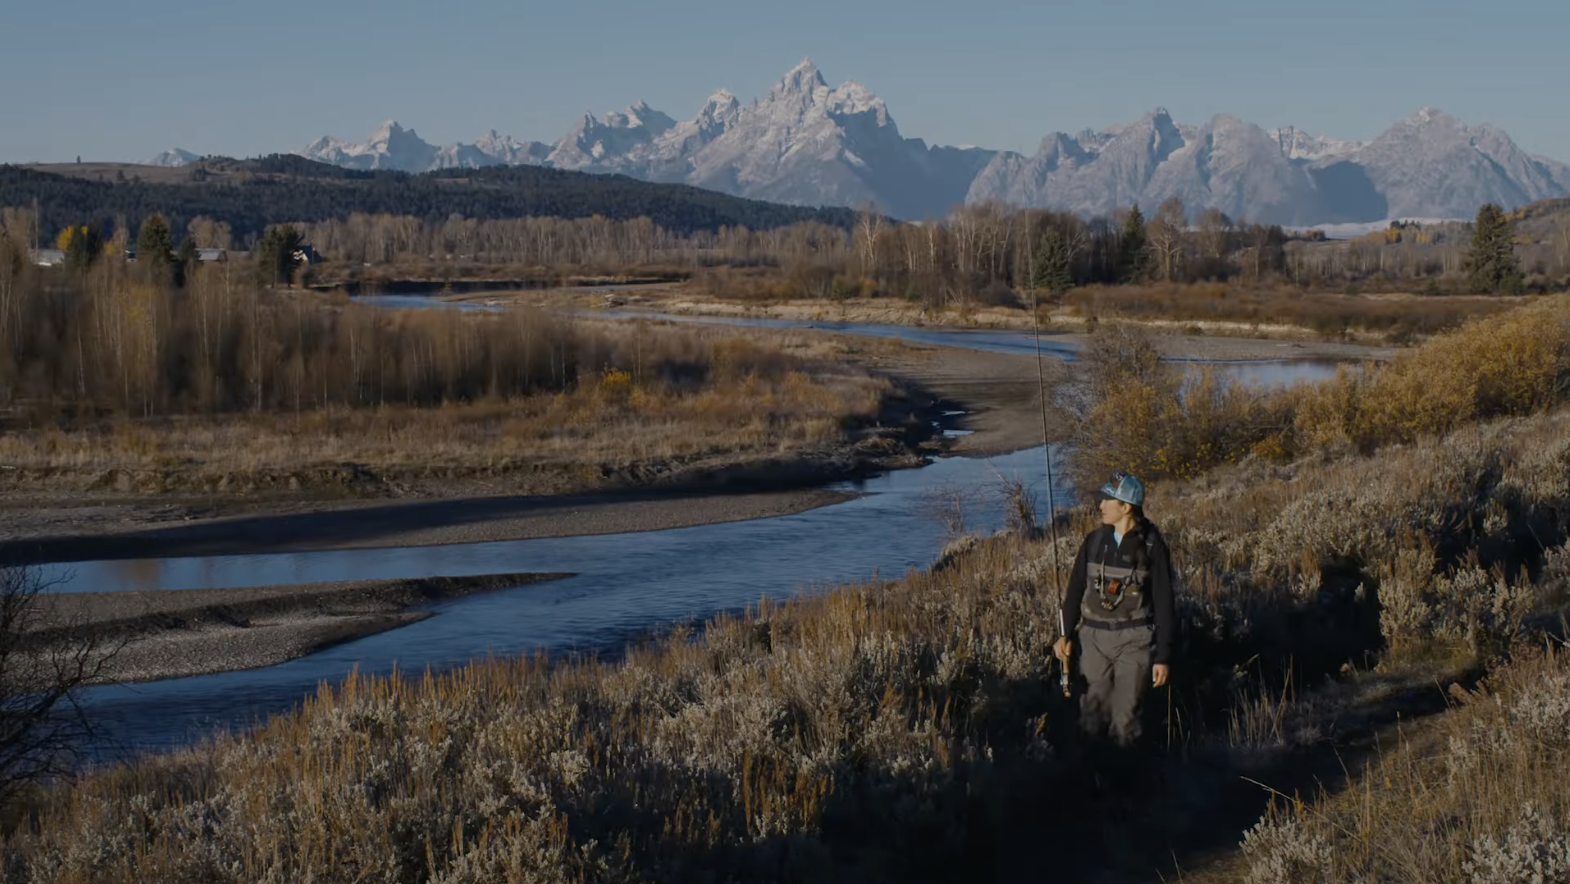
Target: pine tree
1133 256
155 249
1053 270
1491 263
154 242
275 254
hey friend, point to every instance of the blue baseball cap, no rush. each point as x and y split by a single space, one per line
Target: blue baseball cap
1123 486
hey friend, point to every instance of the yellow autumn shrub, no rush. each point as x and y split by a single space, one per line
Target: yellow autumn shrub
1512 364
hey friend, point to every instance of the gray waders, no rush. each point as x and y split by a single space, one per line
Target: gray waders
1115 664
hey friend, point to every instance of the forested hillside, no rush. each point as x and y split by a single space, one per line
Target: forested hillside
249 195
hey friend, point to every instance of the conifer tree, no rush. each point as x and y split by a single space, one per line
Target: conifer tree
1491 263
155 249
275 254
1053 270
1133 260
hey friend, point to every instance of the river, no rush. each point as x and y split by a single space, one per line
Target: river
624 584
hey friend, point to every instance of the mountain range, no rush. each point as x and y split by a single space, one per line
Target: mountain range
807 143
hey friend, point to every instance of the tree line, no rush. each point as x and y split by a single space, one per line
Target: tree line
986 252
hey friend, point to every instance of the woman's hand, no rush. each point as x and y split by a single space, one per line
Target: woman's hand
1062 649
1158 674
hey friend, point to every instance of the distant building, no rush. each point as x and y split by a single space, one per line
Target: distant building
208 256
46 257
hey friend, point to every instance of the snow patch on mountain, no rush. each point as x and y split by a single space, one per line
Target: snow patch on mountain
174 156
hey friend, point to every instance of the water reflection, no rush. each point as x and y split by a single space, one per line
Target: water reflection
625 584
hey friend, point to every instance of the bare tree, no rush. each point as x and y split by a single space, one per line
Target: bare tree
869 228
1215 241
1166 234
46 659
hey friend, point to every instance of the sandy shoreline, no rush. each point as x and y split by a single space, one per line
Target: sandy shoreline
176 633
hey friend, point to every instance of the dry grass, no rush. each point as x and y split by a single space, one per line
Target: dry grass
1479 797
1203 308
665 398
884 731
1212 307
900 729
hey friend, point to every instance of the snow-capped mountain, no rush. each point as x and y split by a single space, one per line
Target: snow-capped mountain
807 143
390 147
491 149
1433 164
1428 165
174 156
621 141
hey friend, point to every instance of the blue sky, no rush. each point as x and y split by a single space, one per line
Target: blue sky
122 81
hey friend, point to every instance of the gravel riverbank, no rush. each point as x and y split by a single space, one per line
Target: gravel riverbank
149 635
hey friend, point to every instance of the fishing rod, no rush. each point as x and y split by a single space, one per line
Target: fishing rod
1046 444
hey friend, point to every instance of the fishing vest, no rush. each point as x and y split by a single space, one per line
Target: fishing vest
1117 584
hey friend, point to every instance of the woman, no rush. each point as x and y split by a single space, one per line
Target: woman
1121 593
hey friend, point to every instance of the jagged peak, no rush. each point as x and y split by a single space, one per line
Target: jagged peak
721 103
853 97
805 66
804 76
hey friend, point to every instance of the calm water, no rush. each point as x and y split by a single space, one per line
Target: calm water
625 584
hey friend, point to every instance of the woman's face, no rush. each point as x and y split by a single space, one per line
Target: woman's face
1113 511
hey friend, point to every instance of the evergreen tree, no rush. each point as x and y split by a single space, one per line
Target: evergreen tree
275 255
154 243
155 249
1491 263
1053 269
1133 260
